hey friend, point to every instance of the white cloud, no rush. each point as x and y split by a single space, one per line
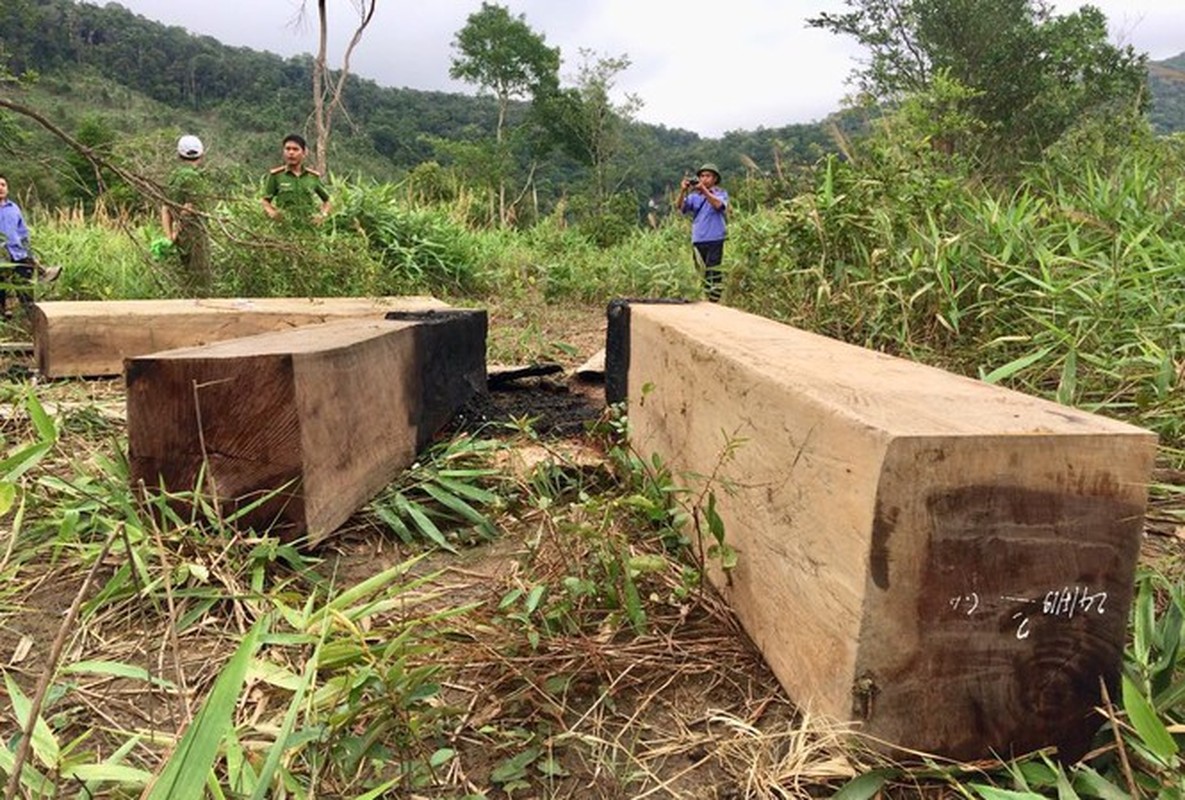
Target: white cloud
703 65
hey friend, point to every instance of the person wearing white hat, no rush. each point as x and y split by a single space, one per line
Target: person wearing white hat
182 218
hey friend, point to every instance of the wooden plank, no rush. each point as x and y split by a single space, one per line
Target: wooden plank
92 337
949 564
328 414
498 375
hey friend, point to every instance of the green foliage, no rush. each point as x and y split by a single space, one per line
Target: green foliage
1062 285
131 73
501 53
586 123
1166 89
416 247
183 776
87 182
1033 73
353 678
447 498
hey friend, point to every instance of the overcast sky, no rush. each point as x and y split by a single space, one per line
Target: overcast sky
702 65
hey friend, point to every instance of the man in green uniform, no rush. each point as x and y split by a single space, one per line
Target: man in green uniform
291 191
183 218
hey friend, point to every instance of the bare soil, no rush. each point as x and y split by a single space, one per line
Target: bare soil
686 710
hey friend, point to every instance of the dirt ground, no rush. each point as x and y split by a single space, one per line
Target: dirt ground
646 703
692 701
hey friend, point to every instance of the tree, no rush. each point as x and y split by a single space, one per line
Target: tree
1032 74
589 126
502 54
327 94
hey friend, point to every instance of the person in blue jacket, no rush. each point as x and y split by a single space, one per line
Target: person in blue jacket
18 265
702 199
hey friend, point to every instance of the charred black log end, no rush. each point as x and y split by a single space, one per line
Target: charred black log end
617 344
450 345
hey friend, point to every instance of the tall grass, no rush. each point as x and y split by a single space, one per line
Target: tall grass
1067 283
375 243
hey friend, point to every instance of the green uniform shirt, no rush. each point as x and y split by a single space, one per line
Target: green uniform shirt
189 187
288 191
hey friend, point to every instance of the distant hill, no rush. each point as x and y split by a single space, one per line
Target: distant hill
117 79
1166 83
244 100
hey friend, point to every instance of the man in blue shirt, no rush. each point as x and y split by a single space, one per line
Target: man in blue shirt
14 251
702 199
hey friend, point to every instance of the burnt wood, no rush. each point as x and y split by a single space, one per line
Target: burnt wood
91 338
947 564
315 419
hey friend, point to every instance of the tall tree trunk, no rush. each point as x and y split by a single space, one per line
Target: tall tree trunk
320 156
323 111
503 104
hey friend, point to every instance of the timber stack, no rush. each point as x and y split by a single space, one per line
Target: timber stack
295 430
946 563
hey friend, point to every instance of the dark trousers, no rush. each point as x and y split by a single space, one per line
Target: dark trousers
19 279
709 255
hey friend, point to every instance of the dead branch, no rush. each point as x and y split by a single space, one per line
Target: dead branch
142 184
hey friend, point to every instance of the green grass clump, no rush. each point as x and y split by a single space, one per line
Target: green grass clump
537 674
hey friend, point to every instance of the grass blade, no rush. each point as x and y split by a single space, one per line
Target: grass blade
45 745
184 775
1153 733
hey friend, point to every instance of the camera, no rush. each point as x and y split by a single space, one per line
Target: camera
693 181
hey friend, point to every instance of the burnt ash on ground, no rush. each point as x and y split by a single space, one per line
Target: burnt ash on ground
557 408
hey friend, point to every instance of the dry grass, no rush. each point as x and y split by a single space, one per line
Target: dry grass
684 708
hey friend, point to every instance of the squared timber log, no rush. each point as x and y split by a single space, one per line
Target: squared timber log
91 338
326 414
947 563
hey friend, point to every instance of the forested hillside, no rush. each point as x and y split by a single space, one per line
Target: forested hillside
242 100
1166 80
121 82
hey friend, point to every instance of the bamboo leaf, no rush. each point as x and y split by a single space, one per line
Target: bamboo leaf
109 773
276 751
1067 386
422 521
459 506
23 460
42 422
864 787
992 793
45 744
7 497
240 775
1092 784
468 490
118 670
184 775
1143 718
394 522
37 784
93 780
378 791
1015 366
367 587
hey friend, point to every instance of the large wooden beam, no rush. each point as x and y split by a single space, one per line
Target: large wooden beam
326 414
92 338
948 563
